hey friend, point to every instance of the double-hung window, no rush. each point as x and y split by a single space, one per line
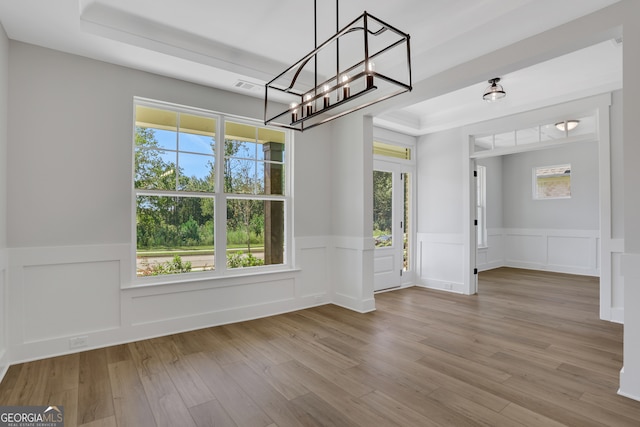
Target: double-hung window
210 192
481 206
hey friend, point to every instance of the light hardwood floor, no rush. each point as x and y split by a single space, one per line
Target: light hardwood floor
529 349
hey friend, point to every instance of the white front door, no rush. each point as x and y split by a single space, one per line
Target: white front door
390 216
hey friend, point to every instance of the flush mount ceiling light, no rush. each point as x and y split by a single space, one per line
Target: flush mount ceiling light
339 76
567 125
495 91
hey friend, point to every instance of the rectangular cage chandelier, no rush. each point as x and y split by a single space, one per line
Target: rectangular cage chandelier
365 62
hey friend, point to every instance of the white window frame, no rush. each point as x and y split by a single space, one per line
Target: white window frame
220 201
481 206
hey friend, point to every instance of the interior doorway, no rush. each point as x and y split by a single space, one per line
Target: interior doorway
570 247
393 224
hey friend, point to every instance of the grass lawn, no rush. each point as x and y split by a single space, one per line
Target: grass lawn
193 250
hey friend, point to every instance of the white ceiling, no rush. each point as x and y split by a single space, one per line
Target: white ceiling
217 43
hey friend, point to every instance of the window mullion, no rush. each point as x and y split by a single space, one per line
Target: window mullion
220 205
177 151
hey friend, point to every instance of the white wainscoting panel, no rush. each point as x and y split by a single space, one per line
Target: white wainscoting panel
441 261
352 273
313 256
4 315
617 286
525 249
491 256
61 294
178 304
561 251
69 299
570 252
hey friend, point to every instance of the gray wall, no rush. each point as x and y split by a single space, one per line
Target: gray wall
4 95
617 175
439 197
71 160
580 212
4 89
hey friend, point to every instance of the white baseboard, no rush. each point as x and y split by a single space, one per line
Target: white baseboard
442 285
623 391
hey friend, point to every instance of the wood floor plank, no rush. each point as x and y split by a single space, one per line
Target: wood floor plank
188 383
263 366
276 406
31 383
319 412
478 413
527 417
68 399
349 406
529 350
143 354
118 353
403 415
10 381
410 394
168 408
211 414
95 400
242 409
323 362
247 338
129 399
102 422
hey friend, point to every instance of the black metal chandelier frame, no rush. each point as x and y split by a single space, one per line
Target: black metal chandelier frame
307 112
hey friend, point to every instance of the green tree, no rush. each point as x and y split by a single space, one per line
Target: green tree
152 172
169 221
240 178
382 201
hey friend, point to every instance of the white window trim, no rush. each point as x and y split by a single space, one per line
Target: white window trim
220 203
481 202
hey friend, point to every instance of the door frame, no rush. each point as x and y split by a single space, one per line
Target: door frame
608 246
398 166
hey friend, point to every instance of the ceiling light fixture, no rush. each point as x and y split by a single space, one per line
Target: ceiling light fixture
495 91
567 125
339 76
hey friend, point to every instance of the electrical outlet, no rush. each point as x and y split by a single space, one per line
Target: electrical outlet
78 342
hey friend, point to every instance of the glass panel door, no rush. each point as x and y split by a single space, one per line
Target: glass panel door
391 207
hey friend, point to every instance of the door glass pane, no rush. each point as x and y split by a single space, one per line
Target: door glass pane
382 208
406 182
391 150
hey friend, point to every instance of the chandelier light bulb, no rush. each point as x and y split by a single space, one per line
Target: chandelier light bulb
370 68
326 96
345 86
294 112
